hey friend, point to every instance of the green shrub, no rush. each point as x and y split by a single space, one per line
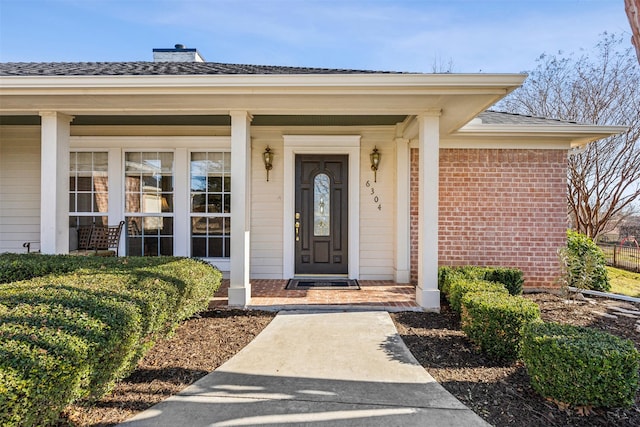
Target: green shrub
511 278
16 267
40 371
111 309
584 263
446 275
581 366
494 321
459 287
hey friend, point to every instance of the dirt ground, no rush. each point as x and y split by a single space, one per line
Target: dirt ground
500 393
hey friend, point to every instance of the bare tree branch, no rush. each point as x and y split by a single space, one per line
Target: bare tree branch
604 88
632 7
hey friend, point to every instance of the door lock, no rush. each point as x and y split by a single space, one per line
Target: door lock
297 225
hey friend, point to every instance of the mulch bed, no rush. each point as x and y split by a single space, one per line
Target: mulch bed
198 347
500 393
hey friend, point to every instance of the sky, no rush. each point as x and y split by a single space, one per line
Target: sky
462 36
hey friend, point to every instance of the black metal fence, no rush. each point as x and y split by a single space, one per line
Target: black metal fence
625 257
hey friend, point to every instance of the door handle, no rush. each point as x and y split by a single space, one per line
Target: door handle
297 225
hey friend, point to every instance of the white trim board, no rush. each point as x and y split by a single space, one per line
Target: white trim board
321 144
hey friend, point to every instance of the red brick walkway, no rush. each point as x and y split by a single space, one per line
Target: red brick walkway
377 294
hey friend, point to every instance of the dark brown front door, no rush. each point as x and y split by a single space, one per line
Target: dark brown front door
321 214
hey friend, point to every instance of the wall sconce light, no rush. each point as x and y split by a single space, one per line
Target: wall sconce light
375 161
267 156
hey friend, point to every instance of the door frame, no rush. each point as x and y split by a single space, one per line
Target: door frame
321 144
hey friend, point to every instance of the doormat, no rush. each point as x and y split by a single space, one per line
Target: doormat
332 284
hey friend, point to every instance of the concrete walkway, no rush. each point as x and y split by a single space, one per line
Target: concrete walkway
320 369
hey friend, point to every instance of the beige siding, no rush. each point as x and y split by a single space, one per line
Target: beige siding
377 219
20 194
266 207
19 186
377 226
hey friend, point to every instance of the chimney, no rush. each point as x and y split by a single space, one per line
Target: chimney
178 54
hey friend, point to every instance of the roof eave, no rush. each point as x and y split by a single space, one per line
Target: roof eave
576 134
265 81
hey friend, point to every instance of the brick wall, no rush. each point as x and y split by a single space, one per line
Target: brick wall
498 207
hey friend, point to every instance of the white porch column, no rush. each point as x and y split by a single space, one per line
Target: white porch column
54 182
427 293
402 270
239 286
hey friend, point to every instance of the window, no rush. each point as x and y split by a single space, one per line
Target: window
210 212
321 205
149 203
88 188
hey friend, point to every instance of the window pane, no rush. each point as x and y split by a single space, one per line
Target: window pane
84 202
101 202
215 164
132 202
167 226
166 162
215 247
198 203
151 246
227 163
166 183
198 247
152 225
100 162
151 203
198 226
198 183
321 205
216 226
84 161
215 184
84 183
73 164
150 183
134 246
227 203
214 202
166 246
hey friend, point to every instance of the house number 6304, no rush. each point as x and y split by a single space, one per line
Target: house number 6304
375 198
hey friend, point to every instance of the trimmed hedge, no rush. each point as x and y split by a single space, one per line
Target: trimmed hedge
70 336
460 286
494 321
16 267
581 366
511 278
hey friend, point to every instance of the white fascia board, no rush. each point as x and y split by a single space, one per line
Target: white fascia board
577 134
290 83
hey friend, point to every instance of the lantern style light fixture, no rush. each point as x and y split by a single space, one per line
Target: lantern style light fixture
267 156
375 162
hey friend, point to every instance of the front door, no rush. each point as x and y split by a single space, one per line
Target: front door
321 214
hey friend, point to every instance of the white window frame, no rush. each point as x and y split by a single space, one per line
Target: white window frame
223 263
181 145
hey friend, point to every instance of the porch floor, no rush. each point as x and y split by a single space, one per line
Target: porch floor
373 295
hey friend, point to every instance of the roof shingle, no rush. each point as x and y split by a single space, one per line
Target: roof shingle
158 68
